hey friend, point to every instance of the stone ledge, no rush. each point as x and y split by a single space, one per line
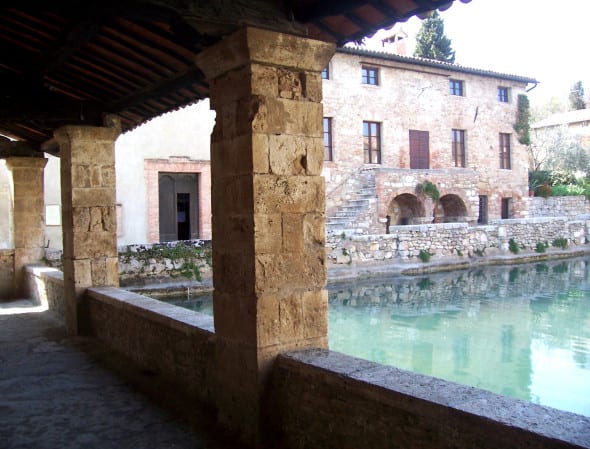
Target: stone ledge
178 318
427 395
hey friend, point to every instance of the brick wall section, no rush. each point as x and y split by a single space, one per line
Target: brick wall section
410 97
152 167
458 240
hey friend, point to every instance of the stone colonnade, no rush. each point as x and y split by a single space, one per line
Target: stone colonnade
268 211
268 203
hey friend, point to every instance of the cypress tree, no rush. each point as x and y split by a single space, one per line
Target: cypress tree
432 42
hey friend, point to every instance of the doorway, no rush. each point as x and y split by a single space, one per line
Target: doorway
178 206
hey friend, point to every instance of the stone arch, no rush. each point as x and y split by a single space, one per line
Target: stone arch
405 209
451 209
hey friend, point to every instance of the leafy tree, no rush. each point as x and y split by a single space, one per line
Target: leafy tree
523 120
561 151
577 96
432 42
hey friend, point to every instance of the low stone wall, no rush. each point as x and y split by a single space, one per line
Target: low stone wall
319 398
325 399
6 273
163 339
558 206
45 285
157 262
458 240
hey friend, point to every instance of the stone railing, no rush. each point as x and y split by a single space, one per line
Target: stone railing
457 240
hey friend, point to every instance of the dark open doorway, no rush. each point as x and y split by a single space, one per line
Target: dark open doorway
179 206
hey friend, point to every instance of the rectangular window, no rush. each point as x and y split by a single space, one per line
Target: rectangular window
505 151
372 142
506 203
326 73
503 96
370 75
458 140
328 139
456 87
419 150
483 210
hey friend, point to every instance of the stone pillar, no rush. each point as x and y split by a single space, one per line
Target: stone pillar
268 207
89 220
28 213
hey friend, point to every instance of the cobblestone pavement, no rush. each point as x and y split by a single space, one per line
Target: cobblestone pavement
60 392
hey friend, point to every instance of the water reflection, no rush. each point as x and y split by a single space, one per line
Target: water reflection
522 331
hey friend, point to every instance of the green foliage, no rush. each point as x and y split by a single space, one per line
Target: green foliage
541 247
480 252
513 246
429 189
459 253
523 120
560 243
576 96
425 256
431 42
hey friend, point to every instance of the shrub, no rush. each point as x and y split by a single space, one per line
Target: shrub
429 189
513 246
541 247
425 256
560 243
545 190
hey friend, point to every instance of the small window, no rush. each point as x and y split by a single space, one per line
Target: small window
505 151
326 73
372 142
370 76
506 208
458 150
503 94
328 156
456 87
483 210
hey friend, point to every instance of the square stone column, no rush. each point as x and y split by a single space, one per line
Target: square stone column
28 214
89 220
268 206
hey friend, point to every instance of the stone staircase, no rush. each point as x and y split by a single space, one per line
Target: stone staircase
353 216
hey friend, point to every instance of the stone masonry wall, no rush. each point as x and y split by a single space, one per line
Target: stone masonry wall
409 97
6 273
404 243
558 206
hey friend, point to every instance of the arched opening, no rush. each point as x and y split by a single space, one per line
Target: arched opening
405 209
451 209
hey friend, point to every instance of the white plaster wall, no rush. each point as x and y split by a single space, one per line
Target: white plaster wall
183 133
6 231
53 237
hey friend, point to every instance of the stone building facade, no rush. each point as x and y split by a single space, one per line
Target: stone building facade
393 122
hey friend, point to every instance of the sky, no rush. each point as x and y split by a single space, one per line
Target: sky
543 39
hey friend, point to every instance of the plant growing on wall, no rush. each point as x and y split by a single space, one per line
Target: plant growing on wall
429 189
513 246
522 126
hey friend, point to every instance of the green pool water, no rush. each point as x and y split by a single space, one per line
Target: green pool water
521 331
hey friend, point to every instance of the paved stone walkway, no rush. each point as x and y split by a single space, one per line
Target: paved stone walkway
61 392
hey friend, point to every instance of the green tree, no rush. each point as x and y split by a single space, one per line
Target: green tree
522 126
577 96
432 42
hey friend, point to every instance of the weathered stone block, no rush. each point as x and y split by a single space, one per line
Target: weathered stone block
267 233
315 314
288 194
99 196
292 233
